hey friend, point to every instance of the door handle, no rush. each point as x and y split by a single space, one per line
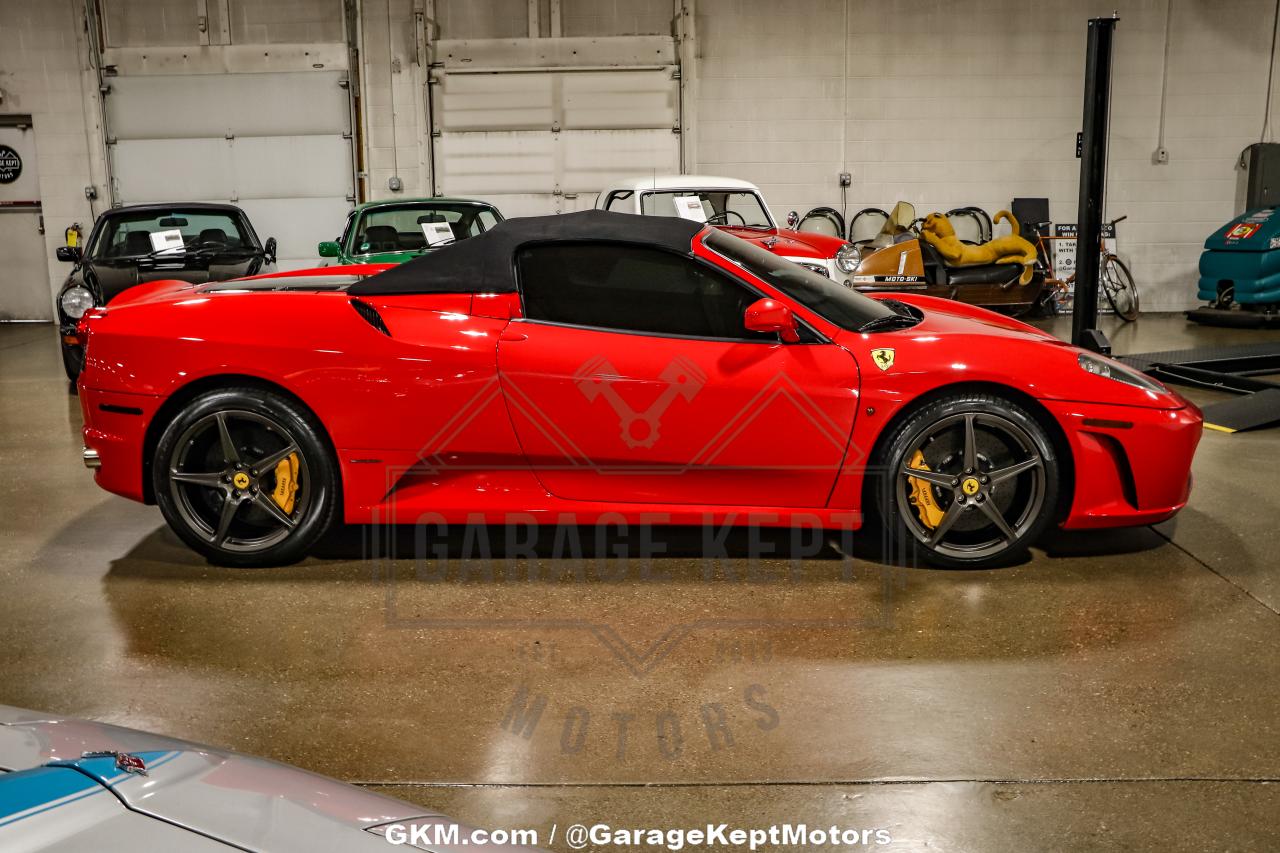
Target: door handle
510 334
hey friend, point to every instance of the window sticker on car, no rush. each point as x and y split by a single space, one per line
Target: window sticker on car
690 207
162 241
437 233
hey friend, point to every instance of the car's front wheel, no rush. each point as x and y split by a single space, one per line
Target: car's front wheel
246 477
968 480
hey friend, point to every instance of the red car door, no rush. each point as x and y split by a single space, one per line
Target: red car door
632 379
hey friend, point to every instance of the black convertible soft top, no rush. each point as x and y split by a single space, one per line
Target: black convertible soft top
485 263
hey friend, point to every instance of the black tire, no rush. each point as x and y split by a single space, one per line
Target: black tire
195 476
72 361
1006 438
1121 292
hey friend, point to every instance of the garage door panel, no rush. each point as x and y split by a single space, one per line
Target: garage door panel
510 161
495 101
264 167
593 158
295 223
172 169
298 166
544 137
619 99
528 204
205 105
568 99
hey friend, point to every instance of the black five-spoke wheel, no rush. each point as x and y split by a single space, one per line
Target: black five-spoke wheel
245 477
970 479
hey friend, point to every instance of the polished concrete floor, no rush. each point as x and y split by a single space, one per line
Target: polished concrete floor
1119 691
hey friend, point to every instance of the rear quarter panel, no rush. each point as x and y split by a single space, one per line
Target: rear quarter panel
384 401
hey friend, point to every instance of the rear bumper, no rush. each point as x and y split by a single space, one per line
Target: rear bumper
1132 465
115 427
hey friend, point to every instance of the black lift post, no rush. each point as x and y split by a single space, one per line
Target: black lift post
1093 185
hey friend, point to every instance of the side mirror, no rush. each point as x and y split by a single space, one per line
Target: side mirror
793 219
270 250
329 249
70 254
770 315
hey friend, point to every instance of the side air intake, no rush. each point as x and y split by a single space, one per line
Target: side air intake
371 316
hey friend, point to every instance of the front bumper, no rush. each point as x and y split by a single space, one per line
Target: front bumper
115 427
1132 465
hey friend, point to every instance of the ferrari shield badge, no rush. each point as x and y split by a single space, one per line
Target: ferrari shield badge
883 358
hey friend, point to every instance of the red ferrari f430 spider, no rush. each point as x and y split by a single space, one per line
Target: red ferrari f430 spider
603 366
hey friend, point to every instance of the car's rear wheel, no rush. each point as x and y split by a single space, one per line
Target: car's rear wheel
968 480
246 477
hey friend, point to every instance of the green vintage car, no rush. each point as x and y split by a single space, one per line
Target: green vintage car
393 231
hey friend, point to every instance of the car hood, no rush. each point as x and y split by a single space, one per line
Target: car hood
250 802
959 343
797 244
110 278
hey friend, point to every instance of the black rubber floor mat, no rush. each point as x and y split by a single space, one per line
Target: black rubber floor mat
1252 411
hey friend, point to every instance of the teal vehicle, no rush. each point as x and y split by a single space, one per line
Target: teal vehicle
1240 272
392 231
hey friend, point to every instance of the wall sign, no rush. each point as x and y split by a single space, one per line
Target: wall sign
1065 235
10 165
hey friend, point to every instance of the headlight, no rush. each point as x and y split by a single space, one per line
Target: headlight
1108 369
76 301
847 258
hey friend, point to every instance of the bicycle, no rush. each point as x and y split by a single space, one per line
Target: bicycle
1114 278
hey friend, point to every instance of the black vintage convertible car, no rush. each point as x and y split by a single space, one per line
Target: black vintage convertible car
188 241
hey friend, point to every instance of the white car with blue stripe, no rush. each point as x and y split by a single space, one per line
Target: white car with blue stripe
75 786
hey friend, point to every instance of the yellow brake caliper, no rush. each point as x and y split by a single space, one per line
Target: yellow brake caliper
922 494
286 489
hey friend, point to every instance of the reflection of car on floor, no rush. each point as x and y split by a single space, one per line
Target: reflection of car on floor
593 366
129 245
736 207
391 232
898 260
75 785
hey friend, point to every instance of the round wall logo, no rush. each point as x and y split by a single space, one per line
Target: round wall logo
10 165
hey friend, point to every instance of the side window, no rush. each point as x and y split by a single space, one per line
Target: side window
487 220
619 201
632 288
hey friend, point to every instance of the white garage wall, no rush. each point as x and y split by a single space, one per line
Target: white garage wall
42 72
950 104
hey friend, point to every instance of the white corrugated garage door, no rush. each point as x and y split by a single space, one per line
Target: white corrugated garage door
540 126
276 144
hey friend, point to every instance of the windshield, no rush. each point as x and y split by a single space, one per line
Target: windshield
719 207
399 229
846 308
170 232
